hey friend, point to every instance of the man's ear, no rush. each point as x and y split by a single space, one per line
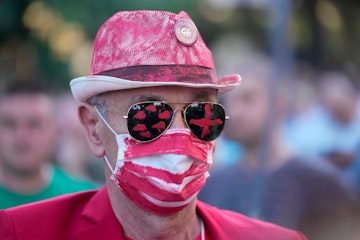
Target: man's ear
90 120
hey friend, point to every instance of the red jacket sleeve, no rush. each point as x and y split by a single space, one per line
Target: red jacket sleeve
224 224
6 228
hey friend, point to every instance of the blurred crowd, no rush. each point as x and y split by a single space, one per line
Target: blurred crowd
290 151
43 149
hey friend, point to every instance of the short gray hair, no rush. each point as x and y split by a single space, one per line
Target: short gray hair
99 101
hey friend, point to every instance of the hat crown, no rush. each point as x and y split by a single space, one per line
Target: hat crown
135 38
135 49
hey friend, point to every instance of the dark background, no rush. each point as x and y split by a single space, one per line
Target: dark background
52 39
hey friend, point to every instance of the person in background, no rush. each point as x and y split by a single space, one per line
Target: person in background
331 129
72 153
149 109
27 136
269 181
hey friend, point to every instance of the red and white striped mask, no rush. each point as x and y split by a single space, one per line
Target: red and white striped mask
165 175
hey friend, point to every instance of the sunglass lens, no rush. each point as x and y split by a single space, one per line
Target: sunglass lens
205 120
147 121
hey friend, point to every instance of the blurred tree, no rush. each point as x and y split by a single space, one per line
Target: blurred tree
325 32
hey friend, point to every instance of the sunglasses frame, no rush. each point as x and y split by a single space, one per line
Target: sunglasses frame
188 104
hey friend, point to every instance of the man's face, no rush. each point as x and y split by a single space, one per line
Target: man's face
246 106
341 105
120 101
26 132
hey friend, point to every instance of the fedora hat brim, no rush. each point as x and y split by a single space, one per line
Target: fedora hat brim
85 87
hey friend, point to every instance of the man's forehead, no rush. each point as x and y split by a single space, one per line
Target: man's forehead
196 96
26 104
165 93
25 98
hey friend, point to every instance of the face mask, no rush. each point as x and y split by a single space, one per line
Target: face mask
162 176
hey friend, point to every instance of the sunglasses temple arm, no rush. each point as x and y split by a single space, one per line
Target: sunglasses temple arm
104 121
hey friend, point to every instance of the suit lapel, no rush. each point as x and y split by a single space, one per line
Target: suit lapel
105 229
101 222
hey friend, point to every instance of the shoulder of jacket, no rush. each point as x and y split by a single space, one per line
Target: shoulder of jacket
231 223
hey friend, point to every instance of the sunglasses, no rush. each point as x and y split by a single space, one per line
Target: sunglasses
146 121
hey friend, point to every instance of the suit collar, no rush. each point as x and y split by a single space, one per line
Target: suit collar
98 207
103 222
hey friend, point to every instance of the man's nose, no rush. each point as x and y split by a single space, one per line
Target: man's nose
178 121
22 131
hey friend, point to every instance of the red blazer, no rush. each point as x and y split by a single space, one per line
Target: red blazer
88 215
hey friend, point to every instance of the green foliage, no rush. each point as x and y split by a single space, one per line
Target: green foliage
319 47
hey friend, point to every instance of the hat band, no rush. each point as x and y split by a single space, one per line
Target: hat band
165 73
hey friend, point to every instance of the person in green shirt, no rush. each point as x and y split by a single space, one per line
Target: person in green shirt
27 136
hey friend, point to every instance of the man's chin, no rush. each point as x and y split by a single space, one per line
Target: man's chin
25 167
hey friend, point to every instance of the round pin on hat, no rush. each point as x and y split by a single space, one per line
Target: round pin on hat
186 32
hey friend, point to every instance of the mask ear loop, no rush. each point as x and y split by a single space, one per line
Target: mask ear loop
108 163
104 121
112 130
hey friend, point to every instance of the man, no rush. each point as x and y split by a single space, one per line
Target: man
72 153
149 110
334 132
27 135
276 185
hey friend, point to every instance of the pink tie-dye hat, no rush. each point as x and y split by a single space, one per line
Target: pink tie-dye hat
149 48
